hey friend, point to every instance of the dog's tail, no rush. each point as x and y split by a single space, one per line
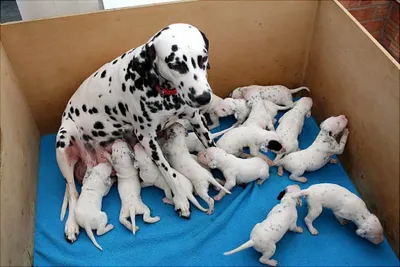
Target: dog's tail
301 193
246 245
295 90
64 204
196 203
218 134
214 182
283 107
89 232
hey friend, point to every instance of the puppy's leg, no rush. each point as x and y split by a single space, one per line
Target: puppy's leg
123 217
147 217
267 254
103 226
168 196
210 202
314 210
295 228
338 148
340 219
280 170
214 120
229 184
296 176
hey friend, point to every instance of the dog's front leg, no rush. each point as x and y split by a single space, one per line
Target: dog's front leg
339 148
180 200
200 128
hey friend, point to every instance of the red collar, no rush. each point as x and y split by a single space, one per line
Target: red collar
165 91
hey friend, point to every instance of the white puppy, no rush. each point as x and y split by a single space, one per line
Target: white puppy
345 206
273 108
88 214
259 116
180 159
280 219
237 107
253 137
278 94
235 170
319 153
291 125
129 187
151 176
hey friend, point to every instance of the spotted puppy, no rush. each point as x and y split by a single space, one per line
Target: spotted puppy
235 170
129 187
179 157
280 219
88 214
136 94
319 153
236 107
345 206
277 94
291 125
259 116
152 176
253 137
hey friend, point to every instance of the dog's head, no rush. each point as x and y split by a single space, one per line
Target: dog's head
210 155
288 192
334 125
225 108
177 57
372 230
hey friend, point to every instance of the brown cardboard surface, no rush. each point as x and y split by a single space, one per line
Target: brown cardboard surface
20 141
350 73
251 42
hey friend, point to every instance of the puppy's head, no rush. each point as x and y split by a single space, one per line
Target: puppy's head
288 191
237 93
304 104
179 56
251 95
210 155
334 125
175 130
273 143
122 156
225 108
372 230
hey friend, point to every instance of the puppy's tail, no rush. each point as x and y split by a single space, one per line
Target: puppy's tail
196 203
218 134
248 244
283 107
64 204
89 232
295 90
301 193
218 185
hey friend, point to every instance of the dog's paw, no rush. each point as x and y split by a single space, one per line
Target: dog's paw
167 201
181 206
333 161
314 231
302 179
71 230
217 197
299 229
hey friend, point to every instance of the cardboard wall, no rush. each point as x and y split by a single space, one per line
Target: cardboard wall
350 73
20 141
261 42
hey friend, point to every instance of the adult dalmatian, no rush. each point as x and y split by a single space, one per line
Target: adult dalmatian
135 96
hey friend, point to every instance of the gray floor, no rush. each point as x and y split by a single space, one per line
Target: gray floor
9 11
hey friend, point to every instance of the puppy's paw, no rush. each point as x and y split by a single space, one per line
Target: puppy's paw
167 201
217 197
333 161
314 231
71 230
302 179
299 229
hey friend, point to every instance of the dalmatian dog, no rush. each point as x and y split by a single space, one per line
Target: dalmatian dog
319 153
96 185
195 145
253 137
235 170
259 116
265 235
278 94
345 205
123 161
237 107
151 176
291 125
135 95
178 155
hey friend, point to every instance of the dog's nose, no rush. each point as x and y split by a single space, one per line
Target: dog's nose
204 98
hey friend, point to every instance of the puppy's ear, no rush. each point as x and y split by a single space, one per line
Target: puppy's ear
206 42
281 194
330 133
361 232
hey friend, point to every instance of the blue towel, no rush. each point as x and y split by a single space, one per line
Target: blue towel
201 240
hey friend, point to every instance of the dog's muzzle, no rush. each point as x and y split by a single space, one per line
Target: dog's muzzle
204 98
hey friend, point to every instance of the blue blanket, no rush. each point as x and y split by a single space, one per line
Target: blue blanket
201 240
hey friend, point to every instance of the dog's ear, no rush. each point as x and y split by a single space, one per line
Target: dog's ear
207 44
281 194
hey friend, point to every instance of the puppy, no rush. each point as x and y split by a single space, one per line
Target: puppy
345 206
259 116
291 125
129 188
253 137
320 151
179 157
151 176
88 214
235 170
280 219
273 108
237 107
195 145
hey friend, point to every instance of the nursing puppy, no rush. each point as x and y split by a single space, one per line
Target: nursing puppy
129 188
151 176
88 214
253 137
280 219
291 125
237 107
277 94
345 206
235 170
319 153
179 157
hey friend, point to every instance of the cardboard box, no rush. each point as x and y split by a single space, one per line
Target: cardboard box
313 43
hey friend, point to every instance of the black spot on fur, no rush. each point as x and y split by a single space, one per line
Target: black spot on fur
98 125
141 127
281 194
95 74
123 87
126 122
90 111
122 109
132 89
139 84
123 55
103 74
71 109
195 77
140 137
179 66
113 118
174 48
100 95
95 110
115 61
158 129
116 133
107 110
102 134
85 137
135 118
115 110
193 63
117 125
72 138
94 133
140 119
184 58
155 156
84 108
274 145
170 58
174 175
62 136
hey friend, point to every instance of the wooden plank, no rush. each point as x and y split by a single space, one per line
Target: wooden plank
261 42
20 141
350 73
